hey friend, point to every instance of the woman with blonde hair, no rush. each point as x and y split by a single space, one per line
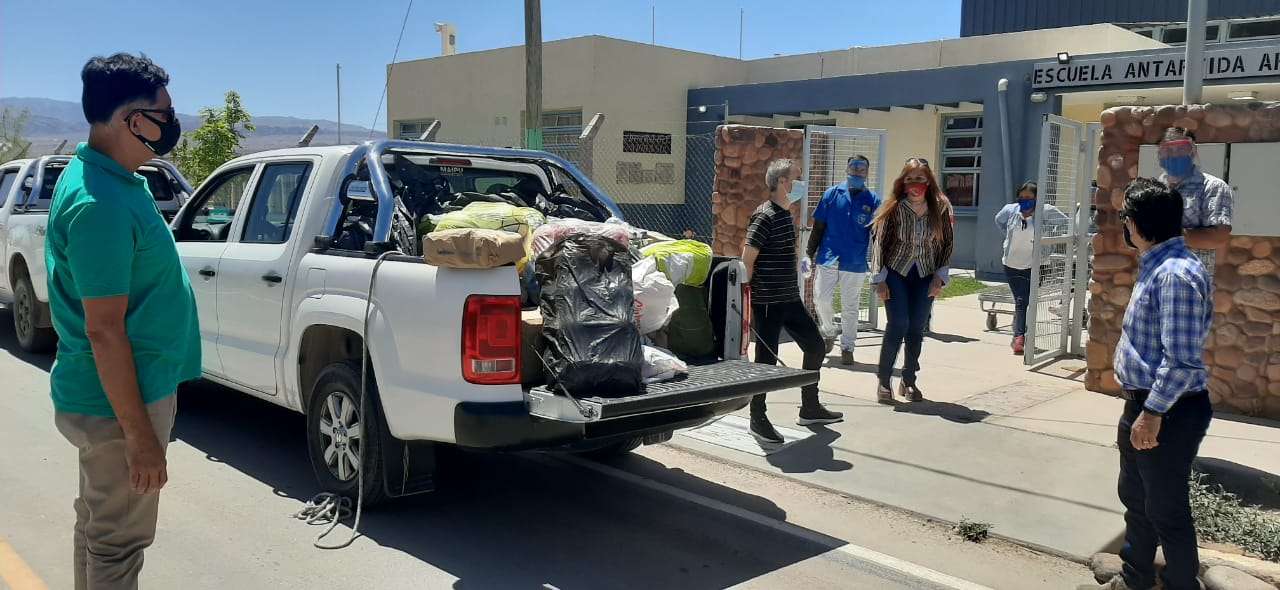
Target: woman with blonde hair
912 252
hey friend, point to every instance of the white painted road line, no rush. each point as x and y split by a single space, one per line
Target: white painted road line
868 555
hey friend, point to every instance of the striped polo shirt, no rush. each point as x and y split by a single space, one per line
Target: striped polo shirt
775 278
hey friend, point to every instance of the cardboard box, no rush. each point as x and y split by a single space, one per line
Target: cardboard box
531 368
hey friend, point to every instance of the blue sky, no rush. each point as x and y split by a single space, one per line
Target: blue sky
280 54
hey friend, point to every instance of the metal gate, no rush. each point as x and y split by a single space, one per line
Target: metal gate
826 155
1059 272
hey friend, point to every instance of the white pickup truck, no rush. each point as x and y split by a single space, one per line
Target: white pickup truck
24 213
282 248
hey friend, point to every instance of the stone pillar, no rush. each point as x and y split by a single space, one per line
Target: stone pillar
1243 350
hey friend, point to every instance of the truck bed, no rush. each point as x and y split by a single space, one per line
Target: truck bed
704 384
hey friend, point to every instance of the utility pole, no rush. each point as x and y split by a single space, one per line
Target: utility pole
742 24
339 104
1193 78
533 74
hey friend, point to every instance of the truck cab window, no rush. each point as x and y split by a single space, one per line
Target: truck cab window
210 215
275 203
6 184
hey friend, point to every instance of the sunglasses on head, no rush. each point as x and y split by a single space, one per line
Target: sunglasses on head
922 161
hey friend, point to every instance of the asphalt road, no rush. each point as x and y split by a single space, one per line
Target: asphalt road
238 471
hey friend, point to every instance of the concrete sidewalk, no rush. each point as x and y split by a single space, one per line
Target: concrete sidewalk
1026 449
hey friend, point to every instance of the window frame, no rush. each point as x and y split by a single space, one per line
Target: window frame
202 196
11 174
943 170
292 204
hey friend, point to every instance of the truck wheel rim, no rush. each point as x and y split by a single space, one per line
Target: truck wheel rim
22 314
341 435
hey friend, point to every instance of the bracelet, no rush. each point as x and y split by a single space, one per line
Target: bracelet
1152 412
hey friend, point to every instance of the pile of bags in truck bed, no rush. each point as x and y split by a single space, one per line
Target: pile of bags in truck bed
616 307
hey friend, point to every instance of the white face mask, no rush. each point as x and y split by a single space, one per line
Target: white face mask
799 190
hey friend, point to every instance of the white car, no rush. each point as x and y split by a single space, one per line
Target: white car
282 248
24 213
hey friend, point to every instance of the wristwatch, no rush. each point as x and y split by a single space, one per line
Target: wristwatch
1152 412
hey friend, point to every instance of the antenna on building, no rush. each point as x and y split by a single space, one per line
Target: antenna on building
448 38
653 26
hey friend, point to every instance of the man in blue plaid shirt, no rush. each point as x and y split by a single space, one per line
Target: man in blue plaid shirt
1167 411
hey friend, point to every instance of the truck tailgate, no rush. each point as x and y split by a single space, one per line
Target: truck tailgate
705 384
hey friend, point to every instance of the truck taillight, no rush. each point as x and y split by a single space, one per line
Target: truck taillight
491 339
746 319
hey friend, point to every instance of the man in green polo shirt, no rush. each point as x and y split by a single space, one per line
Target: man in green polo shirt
125 315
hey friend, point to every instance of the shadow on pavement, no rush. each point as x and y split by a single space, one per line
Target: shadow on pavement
515 521
949 338
9 342
811 454
948 411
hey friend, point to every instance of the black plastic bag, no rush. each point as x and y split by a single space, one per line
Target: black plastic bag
588 315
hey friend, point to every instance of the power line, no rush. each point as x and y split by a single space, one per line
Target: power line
390 69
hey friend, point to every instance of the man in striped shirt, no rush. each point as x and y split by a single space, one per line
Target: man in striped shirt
771 260
1167 411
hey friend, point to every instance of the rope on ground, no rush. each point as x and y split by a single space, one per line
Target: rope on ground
325 508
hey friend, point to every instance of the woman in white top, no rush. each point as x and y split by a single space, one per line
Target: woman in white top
1017 219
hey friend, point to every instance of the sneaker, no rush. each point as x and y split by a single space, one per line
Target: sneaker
1019 344
846 358
818 415
884 395
910 392
764 432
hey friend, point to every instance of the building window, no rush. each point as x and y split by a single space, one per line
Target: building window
961 162
643 142
1178 35
561 129
1254 29
412 129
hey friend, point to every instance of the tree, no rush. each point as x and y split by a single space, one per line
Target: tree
12 145
215 142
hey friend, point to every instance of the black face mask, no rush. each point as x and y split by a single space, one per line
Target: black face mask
170 132
1128 238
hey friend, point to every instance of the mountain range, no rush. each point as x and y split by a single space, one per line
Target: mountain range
51 121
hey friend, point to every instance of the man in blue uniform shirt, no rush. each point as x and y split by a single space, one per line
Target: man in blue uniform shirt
838 245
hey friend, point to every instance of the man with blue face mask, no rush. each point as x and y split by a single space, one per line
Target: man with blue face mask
1207 199
771 258
838 244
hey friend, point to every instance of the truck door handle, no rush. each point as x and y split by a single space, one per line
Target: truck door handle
207 272
273 278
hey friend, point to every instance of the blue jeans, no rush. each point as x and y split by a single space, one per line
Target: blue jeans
908 310
1020 284
1154 490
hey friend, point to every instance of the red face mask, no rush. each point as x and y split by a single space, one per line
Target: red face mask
917 189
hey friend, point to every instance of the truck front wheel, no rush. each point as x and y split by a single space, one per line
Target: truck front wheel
342 437
26 320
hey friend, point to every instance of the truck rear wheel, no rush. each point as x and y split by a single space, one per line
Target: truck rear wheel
26 320
343 437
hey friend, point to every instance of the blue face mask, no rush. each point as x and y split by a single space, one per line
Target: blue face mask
1025 205
799 190
857 182
1178 166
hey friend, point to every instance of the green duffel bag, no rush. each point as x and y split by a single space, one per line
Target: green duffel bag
690 334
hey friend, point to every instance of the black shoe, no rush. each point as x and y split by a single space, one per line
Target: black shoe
764 432
910 392
818 415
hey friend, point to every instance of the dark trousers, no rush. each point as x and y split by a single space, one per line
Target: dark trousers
1020 285
1155 492
770 320
908 310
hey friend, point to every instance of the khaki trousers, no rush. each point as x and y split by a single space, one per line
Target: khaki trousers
113 523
